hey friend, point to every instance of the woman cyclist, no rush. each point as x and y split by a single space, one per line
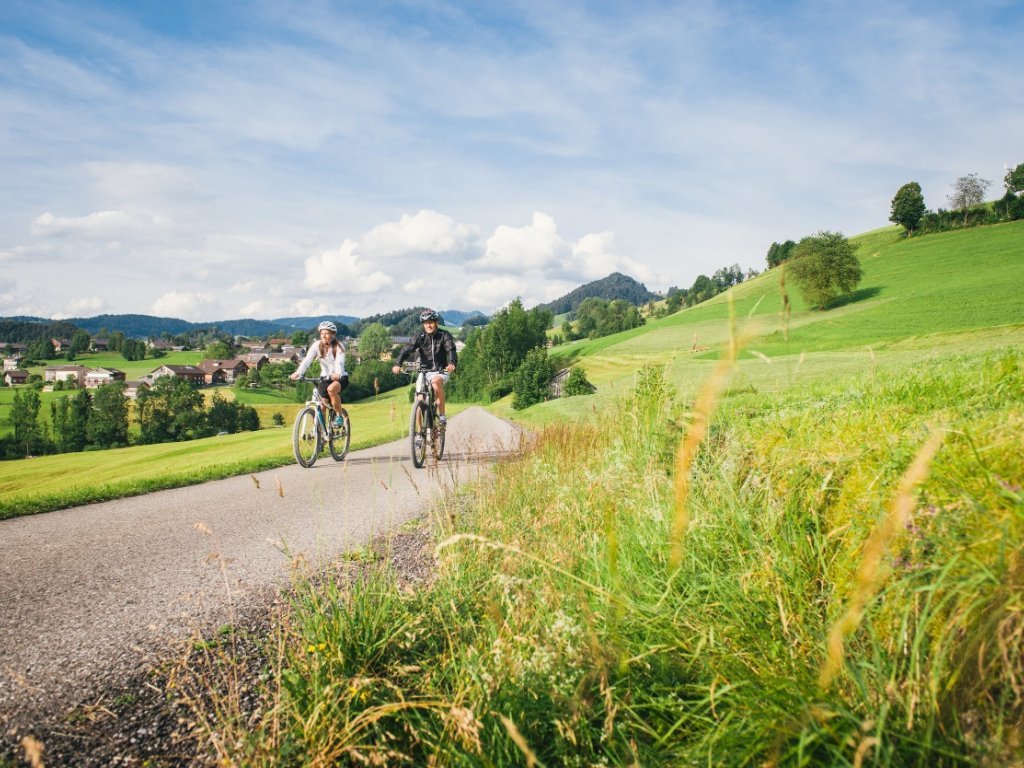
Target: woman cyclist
435 348
331 354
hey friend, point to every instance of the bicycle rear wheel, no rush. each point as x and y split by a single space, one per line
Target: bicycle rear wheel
418 433
306 438
340 437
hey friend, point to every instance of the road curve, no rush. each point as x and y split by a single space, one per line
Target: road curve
97 590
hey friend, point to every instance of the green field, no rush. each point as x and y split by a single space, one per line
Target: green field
812 557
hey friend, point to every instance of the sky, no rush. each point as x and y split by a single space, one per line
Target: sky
220 159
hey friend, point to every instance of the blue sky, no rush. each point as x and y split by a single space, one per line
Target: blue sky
211 160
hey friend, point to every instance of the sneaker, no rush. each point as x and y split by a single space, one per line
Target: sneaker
339 422
442 421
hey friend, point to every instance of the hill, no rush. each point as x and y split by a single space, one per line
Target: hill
146 326
615 286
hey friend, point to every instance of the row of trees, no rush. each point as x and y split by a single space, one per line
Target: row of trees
966 204
705 287
598 317
170 411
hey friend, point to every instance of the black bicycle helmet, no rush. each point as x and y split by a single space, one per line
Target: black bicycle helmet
429 315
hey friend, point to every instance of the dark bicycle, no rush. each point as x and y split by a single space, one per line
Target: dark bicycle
315 427
425 428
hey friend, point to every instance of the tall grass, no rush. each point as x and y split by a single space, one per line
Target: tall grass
557 632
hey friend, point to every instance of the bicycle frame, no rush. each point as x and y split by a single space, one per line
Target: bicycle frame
309 440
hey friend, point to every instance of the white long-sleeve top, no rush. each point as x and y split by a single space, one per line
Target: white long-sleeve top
331 363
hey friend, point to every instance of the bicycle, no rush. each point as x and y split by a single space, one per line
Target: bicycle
314 427
424 425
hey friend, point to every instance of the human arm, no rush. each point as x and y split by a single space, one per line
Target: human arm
304 365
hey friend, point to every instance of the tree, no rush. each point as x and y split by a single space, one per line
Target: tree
1015 179
531 379
576 383
907 207
108 423
70 419
24 418
374 342
299 338
779 252
171 410
968 191
825 266
80 342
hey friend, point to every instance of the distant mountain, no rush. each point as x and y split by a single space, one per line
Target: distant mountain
147 326
20 329
615 286
456 317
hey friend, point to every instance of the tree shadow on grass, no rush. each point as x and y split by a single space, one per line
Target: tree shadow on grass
861 294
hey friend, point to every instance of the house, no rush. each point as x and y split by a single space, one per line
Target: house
75 373
59 345
11 363
132 388
97 377
189 373
99 345
223 371
164 346
15 377
285 357
255 359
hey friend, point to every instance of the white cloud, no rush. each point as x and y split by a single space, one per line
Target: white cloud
252 309
310 308
494 291
425 232
517 249
344 272
182 304
594 256
85 307
102 225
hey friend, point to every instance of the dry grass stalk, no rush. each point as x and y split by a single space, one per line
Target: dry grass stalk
704 406
870 571
517 738
33 751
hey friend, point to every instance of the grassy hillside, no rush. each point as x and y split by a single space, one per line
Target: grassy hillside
813 557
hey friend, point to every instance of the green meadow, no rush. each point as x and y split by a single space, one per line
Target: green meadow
811 555
806 553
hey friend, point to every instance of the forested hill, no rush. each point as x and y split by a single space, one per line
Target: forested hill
24 330
148 326
615 286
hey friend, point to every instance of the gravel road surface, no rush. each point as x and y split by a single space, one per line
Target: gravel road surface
98 592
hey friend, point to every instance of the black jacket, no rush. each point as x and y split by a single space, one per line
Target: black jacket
435 351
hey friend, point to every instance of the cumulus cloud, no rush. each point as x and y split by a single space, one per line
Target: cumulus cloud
494 291
343 271
182 304
516 249
594 256
425 232
84 307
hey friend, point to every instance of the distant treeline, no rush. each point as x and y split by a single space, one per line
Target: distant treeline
615 286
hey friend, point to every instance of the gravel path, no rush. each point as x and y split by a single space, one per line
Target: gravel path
98 593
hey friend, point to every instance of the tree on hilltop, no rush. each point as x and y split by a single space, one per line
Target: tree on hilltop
908 207
1014 179
968 191
826 267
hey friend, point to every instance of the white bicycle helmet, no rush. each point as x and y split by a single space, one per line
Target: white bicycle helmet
327 325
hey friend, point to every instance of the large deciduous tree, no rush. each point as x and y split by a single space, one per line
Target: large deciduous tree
1014 179
374 342
108 423
907 207
826 267
968 191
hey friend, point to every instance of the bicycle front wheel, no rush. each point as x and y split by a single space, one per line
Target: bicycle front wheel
418 433
438 436
306 438
340 437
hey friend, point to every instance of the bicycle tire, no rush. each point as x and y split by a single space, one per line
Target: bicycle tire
306 438
438 438
340 438
418 433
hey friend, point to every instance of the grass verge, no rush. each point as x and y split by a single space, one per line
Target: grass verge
559 629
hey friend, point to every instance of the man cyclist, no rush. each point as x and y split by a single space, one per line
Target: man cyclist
435 348
331 354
